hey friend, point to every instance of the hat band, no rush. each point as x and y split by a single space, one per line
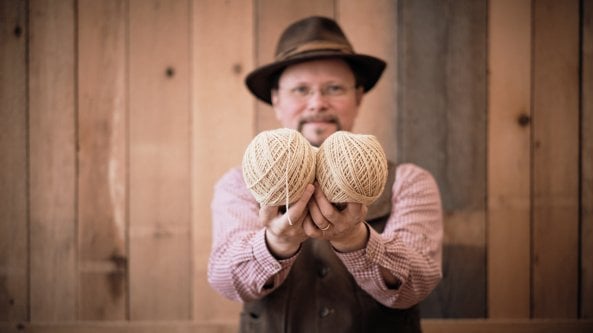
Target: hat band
314 46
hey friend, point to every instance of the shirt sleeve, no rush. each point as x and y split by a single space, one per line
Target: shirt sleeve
240 266
410 246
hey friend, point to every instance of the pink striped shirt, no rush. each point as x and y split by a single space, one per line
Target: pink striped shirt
410 247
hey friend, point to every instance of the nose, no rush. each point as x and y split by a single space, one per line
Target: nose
317 101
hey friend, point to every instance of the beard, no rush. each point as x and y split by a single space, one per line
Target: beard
318 132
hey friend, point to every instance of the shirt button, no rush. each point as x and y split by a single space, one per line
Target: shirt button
325 311
323 271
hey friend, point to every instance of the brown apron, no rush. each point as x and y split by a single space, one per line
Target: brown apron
320 295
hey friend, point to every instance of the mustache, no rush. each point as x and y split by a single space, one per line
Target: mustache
324 118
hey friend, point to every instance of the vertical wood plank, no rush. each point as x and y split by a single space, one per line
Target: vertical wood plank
13 161
361 19
555 158
222 126
586 296
441 126
102 159
509 136
159 125
52 136
272 17
442 95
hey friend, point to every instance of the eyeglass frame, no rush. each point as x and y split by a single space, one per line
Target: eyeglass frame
275 79
325 90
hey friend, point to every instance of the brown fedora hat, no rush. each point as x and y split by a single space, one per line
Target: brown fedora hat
313 38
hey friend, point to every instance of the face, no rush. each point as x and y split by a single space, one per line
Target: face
317 98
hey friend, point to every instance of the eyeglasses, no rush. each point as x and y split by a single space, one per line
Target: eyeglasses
302 92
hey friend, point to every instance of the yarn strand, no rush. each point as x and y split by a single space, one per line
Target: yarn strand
288 147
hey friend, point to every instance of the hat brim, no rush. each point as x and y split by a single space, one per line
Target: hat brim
368 71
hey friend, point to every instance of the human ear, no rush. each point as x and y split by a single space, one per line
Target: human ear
275 102
274 97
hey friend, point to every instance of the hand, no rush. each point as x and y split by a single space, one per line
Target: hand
282 238
344 228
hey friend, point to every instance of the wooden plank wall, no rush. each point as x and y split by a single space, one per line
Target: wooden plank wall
509 159
118 117
534 175
442 103
555 161
52 128
14 159
586 163
160 253
223 124
102 160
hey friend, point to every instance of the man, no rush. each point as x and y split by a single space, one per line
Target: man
353 269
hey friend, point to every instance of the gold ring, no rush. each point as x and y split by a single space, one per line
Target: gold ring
327 227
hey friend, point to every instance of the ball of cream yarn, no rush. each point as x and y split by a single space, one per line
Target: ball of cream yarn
277 166
351 168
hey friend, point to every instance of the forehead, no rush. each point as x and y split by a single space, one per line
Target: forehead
323 69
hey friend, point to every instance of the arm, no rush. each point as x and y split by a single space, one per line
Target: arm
401 266
240 264
253 249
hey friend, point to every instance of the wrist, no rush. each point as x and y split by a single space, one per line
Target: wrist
355 241
280 249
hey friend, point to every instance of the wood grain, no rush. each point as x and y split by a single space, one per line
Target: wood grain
441 126
159 161
509 159
555 160
586 269
223 125
14 206
102 162
53 174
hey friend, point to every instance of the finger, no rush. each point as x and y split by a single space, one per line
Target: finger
311 229
314 211
353 208
304 200
309 226
267 214
269 217
299 208
326 208
317 217
356 211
